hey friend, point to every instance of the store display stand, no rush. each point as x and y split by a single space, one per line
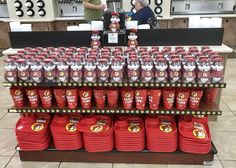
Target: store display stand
145 156
114 156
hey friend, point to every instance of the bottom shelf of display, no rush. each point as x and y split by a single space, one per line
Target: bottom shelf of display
145 156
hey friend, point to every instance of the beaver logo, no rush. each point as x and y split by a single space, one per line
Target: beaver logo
68 93
17 92
181 95
96 128
37 126
201 134
49 73
47 93
165 128
134 128
71 127
31 93
161 73
127 95
61 74
172 95
85 94
194 94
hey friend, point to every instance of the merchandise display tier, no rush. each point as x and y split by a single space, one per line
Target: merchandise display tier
109 84
145 156
204 109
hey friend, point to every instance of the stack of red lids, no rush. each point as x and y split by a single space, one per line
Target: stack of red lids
161 133
194 135
97 133
32 132
65 133
129 133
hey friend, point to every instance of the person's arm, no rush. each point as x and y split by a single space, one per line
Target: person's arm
92 6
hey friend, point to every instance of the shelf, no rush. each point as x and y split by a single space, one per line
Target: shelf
204 109
145 156
108 84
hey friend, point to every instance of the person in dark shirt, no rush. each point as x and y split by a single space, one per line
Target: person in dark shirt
143 12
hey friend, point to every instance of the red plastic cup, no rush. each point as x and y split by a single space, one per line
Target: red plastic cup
45 95
210 95
141 98
72 98
127 95
33 97
154 98
60 95
112 97
195 98
17 95
85 95
100 97
168 96
182 97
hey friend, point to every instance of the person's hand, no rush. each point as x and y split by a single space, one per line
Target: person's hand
101 6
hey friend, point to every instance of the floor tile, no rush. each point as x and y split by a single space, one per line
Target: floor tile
229 90
85 165
230 102
229 164
139 166
9 121
223 107
216 164
225 144
7 142
225 122
4 160
17 163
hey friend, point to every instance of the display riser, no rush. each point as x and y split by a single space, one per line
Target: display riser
145 157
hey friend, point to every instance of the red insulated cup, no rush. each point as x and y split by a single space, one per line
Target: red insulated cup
112 97
60 95
127 95
195 98
154 98
45 95
17 95
85 95
168 96
182 97
141 98
100 97
33 97
210 95
72 98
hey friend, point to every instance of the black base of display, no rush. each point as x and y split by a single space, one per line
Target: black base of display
144 156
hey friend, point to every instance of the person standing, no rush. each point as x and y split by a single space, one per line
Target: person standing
93 10
143 12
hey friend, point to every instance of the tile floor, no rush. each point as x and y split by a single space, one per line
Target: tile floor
223 133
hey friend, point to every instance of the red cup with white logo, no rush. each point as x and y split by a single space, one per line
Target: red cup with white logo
210 94
60 95
168 96
195 98
154 98
85 94
112 97
45 95
127 95
72 98
140 98
182 97
17 95
33 97
100 97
